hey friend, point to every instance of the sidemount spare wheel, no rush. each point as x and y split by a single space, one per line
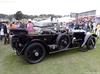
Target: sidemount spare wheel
90 44
34 53
63 41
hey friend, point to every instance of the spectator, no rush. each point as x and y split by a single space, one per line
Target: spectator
98 29
0 25
85 26
77 26
30 27
1 32
94 27
0 29
71 26
22 25
18 24
88 27
6 34
13 26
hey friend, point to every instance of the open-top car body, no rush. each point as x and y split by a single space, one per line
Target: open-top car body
35 47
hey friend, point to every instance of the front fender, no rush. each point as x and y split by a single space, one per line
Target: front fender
88 34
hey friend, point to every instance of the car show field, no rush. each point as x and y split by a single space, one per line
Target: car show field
67 62
49 37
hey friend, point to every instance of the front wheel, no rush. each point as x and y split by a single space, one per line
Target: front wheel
35 53
63 41
91 43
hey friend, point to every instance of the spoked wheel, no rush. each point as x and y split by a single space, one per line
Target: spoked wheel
35 53
63 41
91 43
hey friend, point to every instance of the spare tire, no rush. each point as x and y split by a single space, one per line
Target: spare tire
63 41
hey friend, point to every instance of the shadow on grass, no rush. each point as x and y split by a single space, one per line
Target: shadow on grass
63 53
19 60
13 64
13 58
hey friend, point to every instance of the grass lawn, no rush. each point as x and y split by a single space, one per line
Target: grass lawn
67 62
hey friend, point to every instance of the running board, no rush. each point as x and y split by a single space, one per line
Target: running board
63 50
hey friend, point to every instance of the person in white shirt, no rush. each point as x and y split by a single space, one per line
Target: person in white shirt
1 33
94 27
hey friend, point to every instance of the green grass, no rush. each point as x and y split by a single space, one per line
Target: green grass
67 62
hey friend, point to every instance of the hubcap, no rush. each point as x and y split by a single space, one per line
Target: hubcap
64 43
36 54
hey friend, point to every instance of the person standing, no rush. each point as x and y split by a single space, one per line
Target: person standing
30 27
13 25
98 29
6 34
2 32
94 27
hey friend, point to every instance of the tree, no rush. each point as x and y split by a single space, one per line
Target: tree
18 15
10 17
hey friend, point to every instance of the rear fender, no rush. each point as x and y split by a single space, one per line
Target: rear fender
35 41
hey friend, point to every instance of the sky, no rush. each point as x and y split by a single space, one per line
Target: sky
58 7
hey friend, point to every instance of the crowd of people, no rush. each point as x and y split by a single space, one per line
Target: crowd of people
29 26
88 26
6 26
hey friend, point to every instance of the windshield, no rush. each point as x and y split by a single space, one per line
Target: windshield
39 24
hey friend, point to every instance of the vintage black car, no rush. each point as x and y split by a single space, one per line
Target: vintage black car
34 47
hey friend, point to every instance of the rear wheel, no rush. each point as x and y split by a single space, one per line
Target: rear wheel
35 53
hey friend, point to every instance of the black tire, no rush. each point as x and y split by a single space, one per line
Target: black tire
34 53
17 53
91 43
63 41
